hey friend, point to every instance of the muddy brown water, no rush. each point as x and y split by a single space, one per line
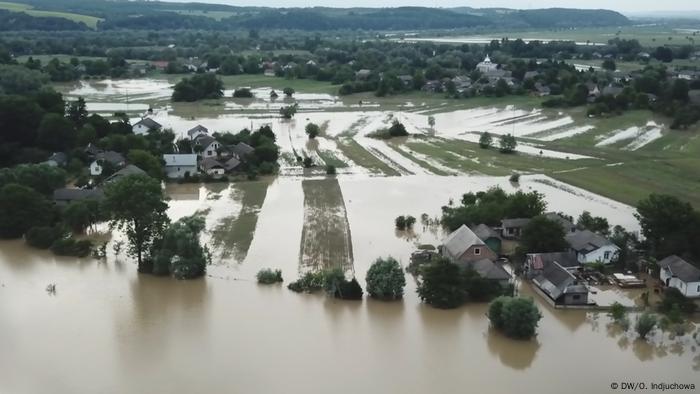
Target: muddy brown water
109 330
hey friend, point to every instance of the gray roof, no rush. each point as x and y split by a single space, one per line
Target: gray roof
564 259
204 140
485 232
128 170
459 241
565 223
231 164
586 241
515 223
59 158
150 123
242 149
111 156
554 280
197 129
209 163
681 269
180 160
67 194
486 269
91 149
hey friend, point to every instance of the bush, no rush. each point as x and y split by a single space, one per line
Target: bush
267 276
309 283
385 279
335 285
308 162
397 129
645 324
672 297
289 111
330 169
507 143
71 247
618 312
515 178
43 237
242 93
485 141
515 317
441 285
312 130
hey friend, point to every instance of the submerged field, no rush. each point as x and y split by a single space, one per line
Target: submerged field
625 157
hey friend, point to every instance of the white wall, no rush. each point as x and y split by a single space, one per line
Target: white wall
140 129
691 289
598 255
179 172
95 168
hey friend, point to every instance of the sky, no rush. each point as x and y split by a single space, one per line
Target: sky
625 6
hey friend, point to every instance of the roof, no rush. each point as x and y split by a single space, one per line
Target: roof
128 170
204 140
681 269
209 163
485 232
459 241
518 222
66 194
231 164
486 269
197 129
554 280
91 149
242 149
564 259
148 122
180 160
111 156
58 157
565 223
586 241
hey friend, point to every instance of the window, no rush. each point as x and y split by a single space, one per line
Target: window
477 251
698 288
577 297
606 255
208 153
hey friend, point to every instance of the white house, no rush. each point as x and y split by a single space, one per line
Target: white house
680 274
114 158
145 125
487 66
591 247
180 165
209 145
196 131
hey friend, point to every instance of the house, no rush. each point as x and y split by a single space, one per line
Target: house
241 150
58 159
591 247
211 166
680 274
490 237
432 87
126 171
513 228
612 90
160 65
463 245
542 90
144 126
535 262
487 269
231 164
65 196
180 165
197 130
269 72
531 75
115 159
209 145
91 150
486 66
560 285
566 224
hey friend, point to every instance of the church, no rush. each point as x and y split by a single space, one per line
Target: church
487 66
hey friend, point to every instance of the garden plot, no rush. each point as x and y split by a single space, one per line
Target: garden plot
122 91
637 137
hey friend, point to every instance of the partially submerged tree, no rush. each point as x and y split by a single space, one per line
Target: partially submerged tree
268 276
485 141
646 322
312 130
22 208
515 317
136 205
289 111
441 285
385 279
507 143
179 252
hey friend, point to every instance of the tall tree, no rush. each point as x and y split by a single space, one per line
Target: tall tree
542 235
22 208
136 205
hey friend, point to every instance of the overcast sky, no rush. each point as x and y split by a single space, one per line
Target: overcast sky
618 5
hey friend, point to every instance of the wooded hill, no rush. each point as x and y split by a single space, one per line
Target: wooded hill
151 15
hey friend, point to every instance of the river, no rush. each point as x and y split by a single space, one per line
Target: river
108 329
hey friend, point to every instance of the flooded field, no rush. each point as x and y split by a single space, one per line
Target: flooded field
109 330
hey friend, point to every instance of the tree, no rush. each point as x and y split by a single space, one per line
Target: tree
289 111
22 208
596 224
77 112
40 177
179 252
335 285
242 93
507 143
80 215
404 222
431 121
198 87
135 204
485 141
289 92
55 133
385 279
609 64
542 235
312 130
397 129
618 312
669 225
267 276
147 162
440 285
645 324
515 317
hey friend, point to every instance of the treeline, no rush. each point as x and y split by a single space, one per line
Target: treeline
17 21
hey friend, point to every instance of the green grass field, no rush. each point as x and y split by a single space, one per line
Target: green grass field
89 21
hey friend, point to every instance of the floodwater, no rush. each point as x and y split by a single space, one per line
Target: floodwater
109 330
